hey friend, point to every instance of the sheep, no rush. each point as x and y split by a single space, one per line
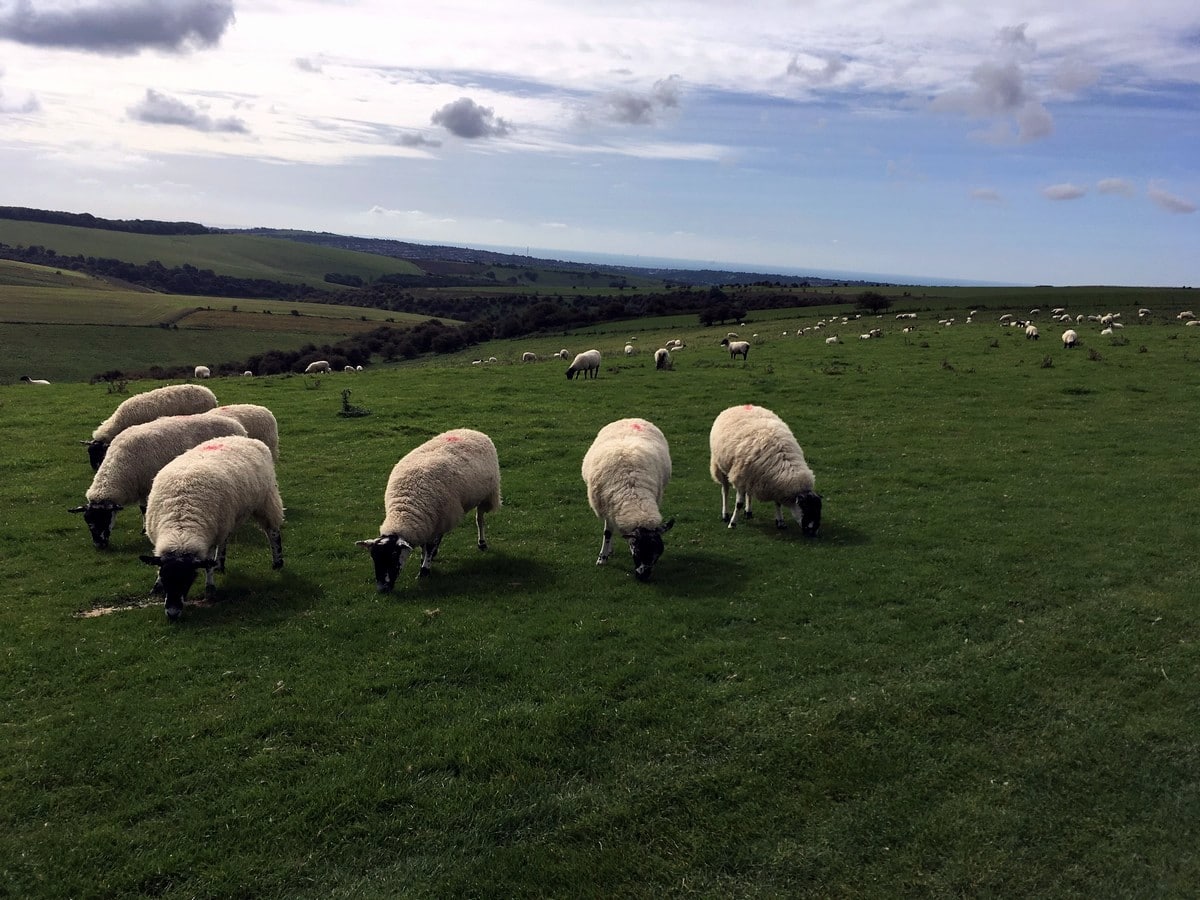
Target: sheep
563 354
348 369
1031 333
585 363
358 368
320 365
247 374
626 470
203 372
492 359
197 501
662 359
629 350
258 421
135 457
832 340
528 357
1186 314
864 337
736 348
754 450
1069 338
172 400
1192 322
428 492
28 380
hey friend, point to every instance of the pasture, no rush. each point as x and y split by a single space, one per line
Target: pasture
980 680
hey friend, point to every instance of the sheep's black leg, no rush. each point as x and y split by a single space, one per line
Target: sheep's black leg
606 545
479 528
429 551
275 537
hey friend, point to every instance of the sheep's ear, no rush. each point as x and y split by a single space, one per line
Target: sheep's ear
150 560
77 509
667 525
368 544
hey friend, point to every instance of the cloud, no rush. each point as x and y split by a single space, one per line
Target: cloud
1117 186
987 195
308 64
820 74
121 28
628 108
465 118
1012 38
1066 191
160 109
1170 202
416 139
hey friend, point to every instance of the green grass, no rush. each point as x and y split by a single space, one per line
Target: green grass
240 255
981 680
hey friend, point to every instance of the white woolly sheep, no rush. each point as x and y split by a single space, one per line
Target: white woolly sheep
258 421
348 369
428 492
1031 333
1106 330
172 400
134 458
662 358
528 357
586 364
737 348
358 368
1192 322
630 350
626 469
563 354
492 359
1069 338
320 365
832 340
197 501
1186 314
203 372
28 380
755 451
247 374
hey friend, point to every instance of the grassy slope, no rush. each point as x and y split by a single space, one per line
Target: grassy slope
239 255
981 679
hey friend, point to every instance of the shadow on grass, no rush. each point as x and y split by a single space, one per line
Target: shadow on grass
252 598
473 576
688 574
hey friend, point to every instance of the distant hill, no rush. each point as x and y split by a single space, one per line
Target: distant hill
87 220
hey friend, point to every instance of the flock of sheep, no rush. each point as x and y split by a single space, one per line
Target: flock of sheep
197 470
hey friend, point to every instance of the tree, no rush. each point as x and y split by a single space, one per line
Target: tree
873 301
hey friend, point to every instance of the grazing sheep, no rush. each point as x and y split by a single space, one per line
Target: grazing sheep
134 458
1069 338
203 372
528 357
737 348
586 363
358 368
197 501
172 400
754 450
662 359
258 421
832 340
1106 330
492 359
563 354
1031 333
1186 314
626 469
28 380
1192 322
247 374
428 492
348 369
629 350
320 365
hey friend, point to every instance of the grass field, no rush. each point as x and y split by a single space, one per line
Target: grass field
980 680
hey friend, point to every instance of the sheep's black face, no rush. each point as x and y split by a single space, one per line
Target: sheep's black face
177 573
96 453
646 545
99 518
388 553
810 513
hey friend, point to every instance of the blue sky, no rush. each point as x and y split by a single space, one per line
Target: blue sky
1019 141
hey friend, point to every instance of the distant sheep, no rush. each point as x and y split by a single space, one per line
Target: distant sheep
754 450
563 354
348 369
832 340
358 368
197 501
630 350
135 457
1069 338
320 365
258 421
428 492
737 348
626 469
1186 314
247 374
662 358
586 363
203 372
28 380
528 357
172 400
1031 333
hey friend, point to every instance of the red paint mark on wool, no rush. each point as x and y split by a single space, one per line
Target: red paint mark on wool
637 427
213 447
451 438
748 406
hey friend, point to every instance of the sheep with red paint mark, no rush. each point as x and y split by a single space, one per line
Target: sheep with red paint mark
429 492
753 450
135 457
197 501
258 421
626 470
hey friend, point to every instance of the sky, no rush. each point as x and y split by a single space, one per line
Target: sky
1015 141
